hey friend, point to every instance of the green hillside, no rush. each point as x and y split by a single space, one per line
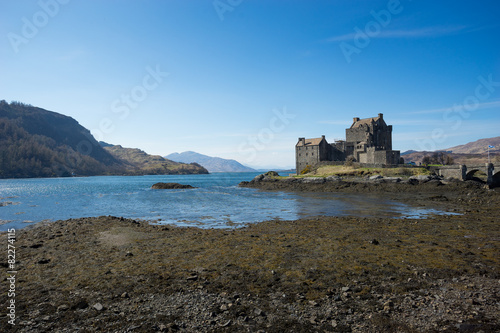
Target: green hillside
139 162
38 143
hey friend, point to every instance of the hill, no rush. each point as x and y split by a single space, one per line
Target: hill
477 147
38 143
139 162
212 164
475 152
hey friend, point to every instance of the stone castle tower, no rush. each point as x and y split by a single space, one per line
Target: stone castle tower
368 141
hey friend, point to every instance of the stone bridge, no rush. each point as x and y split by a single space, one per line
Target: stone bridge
465 172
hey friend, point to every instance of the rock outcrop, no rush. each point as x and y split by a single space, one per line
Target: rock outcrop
170 186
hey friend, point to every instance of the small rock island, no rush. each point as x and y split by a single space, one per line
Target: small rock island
170 186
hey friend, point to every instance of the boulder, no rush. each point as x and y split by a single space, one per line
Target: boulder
258 178
270 176
392 179
333 179
313 180
290 180
421 178
170 186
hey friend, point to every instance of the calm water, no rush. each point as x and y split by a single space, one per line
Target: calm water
217 202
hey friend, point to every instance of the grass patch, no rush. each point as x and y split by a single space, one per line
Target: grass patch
353 171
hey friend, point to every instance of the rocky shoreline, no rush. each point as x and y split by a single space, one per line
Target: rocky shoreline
323 274
424 190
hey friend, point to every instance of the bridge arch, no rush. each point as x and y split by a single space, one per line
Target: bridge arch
471 174
477 173
495 179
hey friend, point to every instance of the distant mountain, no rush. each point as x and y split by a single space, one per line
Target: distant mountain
38 143
470 153
477 147
212 164
139 162
408 152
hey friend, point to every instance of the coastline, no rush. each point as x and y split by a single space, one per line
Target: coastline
417 191
333 274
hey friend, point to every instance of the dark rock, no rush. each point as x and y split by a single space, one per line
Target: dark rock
271 174
258 178
170 186
268 176
374 242
43 261
259 312
80 304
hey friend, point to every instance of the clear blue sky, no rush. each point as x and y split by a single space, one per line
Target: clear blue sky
245 79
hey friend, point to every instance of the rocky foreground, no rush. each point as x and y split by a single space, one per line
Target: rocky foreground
324 274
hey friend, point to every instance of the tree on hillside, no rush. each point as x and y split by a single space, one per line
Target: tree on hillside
438 158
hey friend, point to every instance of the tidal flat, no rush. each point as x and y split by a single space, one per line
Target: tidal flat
320 274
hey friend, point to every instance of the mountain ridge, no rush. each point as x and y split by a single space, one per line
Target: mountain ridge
212 164
35 142
474 152
152 164
477 147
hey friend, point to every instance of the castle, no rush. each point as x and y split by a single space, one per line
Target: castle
368 141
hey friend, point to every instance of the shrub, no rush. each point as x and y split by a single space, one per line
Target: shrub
350 161
307 169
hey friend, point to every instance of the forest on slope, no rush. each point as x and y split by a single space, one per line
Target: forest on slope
38 143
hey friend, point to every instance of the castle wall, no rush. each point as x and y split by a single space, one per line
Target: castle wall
349 149
369 142
384 157
357 134
336 153
324 151
378 135
383 137
304 156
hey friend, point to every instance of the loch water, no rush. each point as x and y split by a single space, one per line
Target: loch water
217 202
